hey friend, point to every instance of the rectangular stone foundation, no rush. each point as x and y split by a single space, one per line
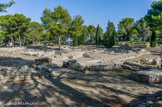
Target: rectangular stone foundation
148 76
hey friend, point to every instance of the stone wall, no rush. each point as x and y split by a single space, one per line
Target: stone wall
148 76
73 64
16 74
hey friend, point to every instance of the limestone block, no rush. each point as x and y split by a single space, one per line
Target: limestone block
43 61
148 76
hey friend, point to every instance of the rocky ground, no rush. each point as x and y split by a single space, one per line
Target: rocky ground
68 87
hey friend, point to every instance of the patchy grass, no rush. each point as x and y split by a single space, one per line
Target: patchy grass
121 72
100 46
117 72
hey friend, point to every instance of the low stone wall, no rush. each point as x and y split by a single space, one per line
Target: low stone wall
38 53
148 76
155 61
14 74
141 45
134 44
43 61
73 64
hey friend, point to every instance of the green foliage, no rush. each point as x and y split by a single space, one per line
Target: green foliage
21 26
33 32
4 6
56 22
153 42
76 41
75 29
18 28
99 34
154 18
6 24
121 72
91 31
110 35
143 29
83 37
125 28
134 33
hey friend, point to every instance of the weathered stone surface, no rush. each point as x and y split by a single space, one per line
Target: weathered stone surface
125 66
103 67
135 66
43 61
148 76
156 61
158 104
43 68
12 74
86 55
73 64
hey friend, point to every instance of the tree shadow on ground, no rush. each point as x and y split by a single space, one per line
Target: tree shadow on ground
54 92
39 92
14 62
42 48
108 78
144 98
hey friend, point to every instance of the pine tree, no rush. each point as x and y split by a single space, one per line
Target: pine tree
33 32
91 32
75 29
83 37
57 22
4 6
110 35
75 41
143 29
125 28
14 27
154 19
153 41
98 34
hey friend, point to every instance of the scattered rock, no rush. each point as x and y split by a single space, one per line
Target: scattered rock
158 104
86 55
156 61
43 61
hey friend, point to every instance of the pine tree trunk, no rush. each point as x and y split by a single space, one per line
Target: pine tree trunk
12 41
24 42
144 39
59 42
19 40
27 43
33 41
78 41
75 41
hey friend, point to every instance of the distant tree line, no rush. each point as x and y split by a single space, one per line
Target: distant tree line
148 28
57 26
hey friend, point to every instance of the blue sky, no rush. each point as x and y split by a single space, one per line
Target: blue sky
93 11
